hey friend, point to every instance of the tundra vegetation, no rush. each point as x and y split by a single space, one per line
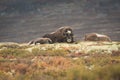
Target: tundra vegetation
60 61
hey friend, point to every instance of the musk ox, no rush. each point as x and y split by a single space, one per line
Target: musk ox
96 37
41 41
63 34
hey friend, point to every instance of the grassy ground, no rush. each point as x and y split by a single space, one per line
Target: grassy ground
60 61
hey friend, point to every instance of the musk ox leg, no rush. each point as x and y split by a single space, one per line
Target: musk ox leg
51 36
30 42
41 41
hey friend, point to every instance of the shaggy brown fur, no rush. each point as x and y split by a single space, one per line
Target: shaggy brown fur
41 41
96 37
63 34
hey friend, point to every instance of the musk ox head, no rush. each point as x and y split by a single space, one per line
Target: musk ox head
63 34
41 41
96 37
67 33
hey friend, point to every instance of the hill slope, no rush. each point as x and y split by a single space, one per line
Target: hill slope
23 20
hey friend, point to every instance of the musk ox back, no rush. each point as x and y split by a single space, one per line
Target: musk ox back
41 41
96 37
63 34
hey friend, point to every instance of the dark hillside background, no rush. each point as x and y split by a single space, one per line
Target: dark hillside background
23 20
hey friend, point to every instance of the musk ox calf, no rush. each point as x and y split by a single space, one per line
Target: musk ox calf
96 37
41 41
63 34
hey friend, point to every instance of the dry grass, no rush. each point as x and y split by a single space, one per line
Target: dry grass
81 61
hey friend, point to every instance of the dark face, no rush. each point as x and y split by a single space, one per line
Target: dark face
68 34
